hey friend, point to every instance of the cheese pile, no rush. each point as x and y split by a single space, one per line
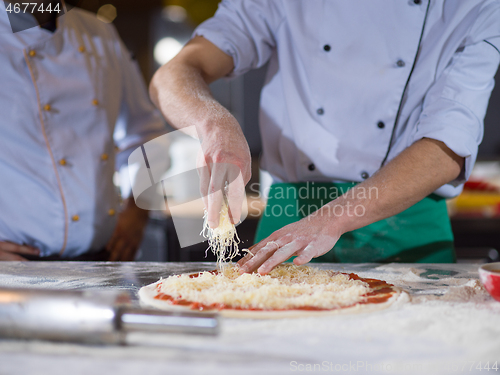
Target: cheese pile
286 287
223 240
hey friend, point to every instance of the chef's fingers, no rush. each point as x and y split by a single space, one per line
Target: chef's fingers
8 256
18 249
133 253
279 256
306 255
116 251
113 255
254 249
112 242
249 254
204 175
235 193
124 255
258 246
215 189
130 252
214 208
260 257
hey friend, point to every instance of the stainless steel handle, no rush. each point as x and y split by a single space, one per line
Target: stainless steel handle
88 317
79 316
168 322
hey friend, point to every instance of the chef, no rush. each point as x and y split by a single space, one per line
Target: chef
371 115
73 103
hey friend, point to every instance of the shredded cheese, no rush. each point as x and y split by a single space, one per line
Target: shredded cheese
223 240
286 287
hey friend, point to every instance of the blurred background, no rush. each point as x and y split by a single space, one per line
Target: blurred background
154 32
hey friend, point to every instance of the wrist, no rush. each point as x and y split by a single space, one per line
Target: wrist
130 206
219 123
344 215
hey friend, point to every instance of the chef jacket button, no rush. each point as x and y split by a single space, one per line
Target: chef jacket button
417 2
95 102
111 212
327 47
311 167
63 162
81 49
47 107
381 124
365 175
104 157
400 63
75 218
320 111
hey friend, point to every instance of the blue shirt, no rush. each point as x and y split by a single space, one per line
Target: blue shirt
351 84
70 101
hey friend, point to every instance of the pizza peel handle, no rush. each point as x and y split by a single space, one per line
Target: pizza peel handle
132 319
92 317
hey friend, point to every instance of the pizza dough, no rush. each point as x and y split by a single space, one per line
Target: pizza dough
288 291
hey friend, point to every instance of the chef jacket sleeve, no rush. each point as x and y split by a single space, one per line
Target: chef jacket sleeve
455 106
245 30
138 122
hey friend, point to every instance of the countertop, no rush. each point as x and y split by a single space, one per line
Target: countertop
448 324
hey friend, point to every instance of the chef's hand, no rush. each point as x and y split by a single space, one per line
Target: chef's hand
308 238
12 251
225 157
128 232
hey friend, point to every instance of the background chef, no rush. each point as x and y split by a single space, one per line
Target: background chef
387 95
72 102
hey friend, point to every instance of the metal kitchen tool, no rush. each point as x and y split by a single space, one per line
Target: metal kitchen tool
102 317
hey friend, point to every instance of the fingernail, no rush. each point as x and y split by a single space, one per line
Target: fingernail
263 270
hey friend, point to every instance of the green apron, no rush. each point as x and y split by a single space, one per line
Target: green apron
420 234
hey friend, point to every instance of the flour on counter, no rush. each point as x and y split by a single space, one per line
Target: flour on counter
449 321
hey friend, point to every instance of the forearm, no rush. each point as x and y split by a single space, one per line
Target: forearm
184 98
407 179
180 88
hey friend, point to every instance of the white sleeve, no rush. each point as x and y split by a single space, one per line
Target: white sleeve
455 106
245 30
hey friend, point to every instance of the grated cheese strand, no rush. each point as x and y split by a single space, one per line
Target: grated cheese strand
223 240
286 287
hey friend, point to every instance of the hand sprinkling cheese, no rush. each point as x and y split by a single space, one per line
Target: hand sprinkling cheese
223 240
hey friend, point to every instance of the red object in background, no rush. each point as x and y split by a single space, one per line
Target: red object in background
490 277
478 185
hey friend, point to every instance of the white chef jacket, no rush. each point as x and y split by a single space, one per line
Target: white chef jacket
351 84
70 101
